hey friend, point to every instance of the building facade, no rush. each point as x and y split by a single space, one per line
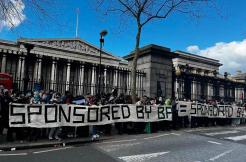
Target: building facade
156 62
63 65
73 65
198 78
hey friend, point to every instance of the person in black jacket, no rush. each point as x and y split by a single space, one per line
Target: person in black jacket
6 100
1 115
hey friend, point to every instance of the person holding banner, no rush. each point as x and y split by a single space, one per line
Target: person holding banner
91 100
167 124
35 132
120 126
6 100
140 126
184 120
1 110
174 115
68 131
154 126
55 132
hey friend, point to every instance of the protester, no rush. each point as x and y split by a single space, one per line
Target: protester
92 103
55 132
1 109
139 127
34 133
120 126
5 101
52 97
174 115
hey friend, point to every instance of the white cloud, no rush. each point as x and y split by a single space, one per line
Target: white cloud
193 49
14 14
232 55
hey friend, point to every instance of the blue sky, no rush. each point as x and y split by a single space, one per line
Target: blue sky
220 36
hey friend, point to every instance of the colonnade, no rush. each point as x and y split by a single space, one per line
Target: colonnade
111 76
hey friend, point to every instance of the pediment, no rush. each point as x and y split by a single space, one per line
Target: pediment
74 45
68 44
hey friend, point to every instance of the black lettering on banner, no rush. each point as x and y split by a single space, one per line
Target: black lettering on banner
193 109
229 111
114 111
168 111
62 113
199 109
148 110
182 108
243 112
29 107
90 111
161 113
75 108
22 115
215 111
104 111
221 109
239 112
211 110
123 112
140 112
46 107
204 109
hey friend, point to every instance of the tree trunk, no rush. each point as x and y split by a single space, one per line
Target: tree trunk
134 65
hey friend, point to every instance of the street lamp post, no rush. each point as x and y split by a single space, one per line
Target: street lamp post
103 33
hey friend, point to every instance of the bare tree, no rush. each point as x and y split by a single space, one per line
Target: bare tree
144 12
12 11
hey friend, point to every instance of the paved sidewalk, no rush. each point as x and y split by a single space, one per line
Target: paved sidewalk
17 145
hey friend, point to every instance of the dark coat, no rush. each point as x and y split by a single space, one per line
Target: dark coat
6 99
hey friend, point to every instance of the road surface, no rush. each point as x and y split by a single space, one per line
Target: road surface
221 144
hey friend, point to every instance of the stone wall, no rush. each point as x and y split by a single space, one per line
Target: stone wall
156 62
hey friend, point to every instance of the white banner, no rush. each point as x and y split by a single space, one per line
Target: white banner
211 111
183 108
56 115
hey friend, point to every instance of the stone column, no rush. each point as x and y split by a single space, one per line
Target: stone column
129 81
4 62
209 91
176 92
194 90
140 85
137 83
37 71
115 77
68 75
119 81
53 74
81 79
221 91
202 72
139 80
237 94
93 80
20 72
242 94
105 79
